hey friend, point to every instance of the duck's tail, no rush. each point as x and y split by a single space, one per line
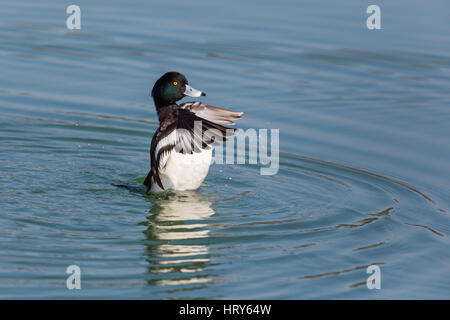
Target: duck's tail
148 180
132 189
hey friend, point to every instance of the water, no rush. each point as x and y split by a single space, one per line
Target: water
364 148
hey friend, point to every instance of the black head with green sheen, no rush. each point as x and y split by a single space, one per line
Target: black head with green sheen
172 87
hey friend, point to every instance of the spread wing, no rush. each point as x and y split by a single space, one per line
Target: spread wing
195 126
214 114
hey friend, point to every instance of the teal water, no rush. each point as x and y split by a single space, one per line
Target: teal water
364 146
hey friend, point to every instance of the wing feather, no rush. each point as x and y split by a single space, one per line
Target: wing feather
214 114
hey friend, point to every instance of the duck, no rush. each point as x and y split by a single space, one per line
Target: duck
181 148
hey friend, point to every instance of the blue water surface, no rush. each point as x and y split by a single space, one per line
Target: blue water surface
364 120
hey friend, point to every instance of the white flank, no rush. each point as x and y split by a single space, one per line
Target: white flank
170 139
184 171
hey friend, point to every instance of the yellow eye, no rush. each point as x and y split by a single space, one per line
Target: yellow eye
175 83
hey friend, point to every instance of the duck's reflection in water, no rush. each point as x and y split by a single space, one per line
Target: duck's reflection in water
176 240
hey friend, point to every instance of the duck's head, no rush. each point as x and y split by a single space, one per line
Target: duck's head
172 87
